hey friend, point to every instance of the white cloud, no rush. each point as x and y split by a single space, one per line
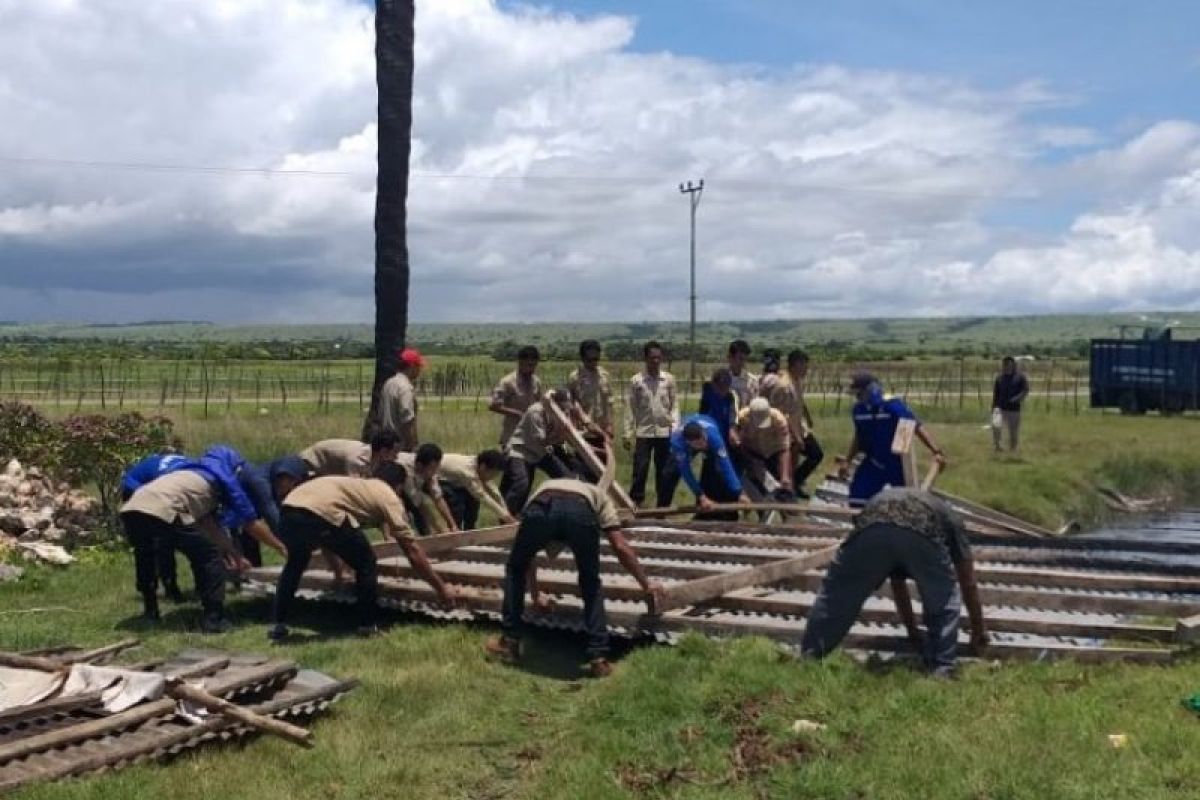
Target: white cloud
829 190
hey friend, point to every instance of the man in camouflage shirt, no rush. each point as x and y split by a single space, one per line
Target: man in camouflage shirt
901 534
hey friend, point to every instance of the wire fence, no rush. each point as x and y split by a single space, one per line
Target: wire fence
220 387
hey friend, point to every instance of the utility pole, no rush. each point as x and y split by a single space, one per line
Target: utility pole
693 191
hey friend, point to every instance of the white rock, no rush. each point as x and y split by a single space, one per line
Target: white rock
24 489
42 551
14 470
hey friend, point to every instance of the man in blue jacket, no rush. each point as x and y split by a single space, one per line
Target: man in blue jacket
876 416
719 482
178 510
134 478
266 485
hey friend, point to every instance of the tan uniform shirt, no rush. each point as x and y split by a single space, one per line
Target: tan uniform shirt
745 388
767 383
788 397
339 457
358 502
593 392
184 497
764 442
397 402
532 438
460 471
652 408
606 512
511 392
412 489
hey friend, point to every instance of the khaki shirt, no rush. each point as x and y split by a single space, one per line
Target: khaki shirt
767 383
357 502
532 438
460 471
412 489
764 442
745 387
184 497
606 513
510 392
651 408
397 402
593 392
788 397
339 457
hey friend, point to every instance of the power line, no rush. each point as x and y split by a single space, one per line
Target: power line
649 180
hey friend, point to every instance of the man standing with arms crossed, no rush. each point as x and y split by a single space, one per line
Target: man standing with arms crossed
590 387
651 413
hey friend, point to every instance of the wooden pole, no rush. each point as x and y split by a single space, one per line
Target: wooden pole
699 590
284 730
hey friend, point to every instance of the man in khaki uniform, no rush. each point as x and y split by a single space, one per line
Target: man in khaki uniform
466 483
590 388
350 457
398 400
651 413
788 396
764 445
330 513
177 511
517 391
422 492
532 447
573 514
745 382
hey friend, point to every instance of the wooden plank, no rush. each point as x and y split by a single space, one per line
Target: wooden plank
1187 630
699 590
999 518
136 715
446 542
48 708
584 451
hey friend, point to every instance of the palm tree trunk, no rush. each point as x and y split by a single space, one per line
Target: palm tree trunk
394 79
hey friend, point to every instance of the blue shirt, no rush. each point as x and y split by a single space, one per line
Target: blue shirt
150 468
722 410
716 449
255 481
875 423
221 466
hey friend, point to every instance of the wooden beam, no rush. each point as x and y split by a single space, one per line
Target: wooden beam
997 518
1187 630
284 730
446 542
584 451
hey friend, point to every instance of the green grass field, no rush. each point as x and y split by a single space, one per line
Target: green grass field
703 719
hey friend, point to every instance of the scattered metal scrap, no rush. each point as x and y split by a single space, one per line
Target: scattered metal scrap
74 735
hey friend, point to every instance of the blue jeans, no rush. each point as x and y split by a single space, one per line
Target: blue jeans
572 522
861 565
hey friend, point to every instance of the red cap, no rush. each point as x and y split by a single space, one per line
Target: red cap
411 358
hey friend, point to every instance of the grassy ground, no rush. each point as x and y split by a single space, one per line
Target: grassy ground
703 719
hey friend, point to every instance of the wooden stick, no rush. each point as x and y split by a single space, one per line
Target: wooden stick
285 730
585 452
445 542
99 653
935 469
19 661
693 592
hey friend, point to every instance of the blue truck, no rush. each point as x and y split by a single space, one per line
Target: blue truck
1153 372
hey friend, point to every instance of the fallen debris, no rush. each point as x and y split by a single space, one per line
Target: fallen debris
73 733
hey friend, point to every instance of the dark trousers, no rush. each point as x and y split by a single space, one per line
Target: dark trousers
303 532
518 477
657 448
250 548
150 537
463 507
862 564
808 461
572 522
163 563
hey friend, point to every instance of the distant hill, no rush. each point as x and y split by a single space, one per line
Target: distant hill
1063 334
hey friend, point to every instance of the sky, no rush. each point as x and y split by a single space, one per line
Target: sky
214 159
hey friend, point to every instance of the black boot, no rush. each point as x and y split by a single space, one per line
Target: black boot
150 608
171 590
215 622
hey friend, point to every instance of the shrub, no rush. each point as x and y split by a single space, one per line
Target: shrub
28 436
96 449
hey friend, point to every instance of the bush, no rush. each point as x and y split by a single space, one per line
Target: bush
28 436
87 449
96 449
